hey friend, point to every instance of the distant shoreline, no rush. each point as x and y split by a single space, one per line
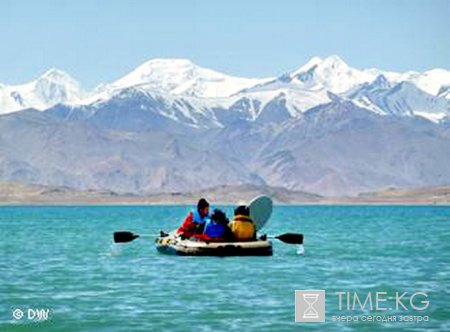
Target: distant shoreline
16 194
190 203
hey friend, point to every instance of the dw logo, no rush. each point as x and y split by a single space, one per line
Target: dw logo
309 306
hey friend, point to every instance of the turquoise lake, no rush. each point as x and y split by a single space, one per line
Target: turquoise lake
63 259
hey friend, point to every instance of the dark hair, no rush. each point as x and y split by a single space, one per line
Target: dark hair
202 203
242 210
219 216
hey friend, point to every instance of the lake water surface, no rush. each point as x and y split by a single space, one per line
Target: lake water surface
63 259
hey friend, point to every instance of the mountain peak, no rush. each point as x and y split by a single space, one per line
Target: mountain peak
183 77
158 70
314 61
381 81
162 74
168 61
55 74
335 62
331 73
164 64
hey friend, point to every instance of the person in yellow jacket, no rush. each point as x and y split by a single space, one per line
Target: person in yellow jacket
242 226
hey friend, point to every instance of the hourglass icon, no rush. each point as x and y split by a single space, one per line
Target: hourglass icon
310 312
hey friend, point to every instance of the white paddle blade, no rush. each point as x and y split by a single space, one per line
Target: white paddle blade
260 210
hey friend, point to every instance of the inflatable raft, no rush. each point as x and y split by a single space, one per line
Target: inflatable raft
260 211
173 245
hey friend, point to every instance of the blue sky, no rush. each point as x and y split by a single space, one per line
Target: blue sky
99 41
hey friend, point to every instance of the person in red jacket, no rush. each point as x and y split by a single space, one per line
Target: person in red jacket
195 220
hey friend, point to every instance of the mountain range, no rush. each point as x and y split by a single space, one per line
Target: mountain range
170 125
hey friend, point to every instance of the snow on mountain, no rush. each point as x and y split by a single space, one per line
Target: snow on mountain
444 92
182 77
362 95
430 81
400 99
317 128
331 73
180 90
308 86
297 100
53 87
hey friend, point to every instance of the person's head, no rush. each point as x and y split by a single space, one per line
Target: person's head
219 217
242 210
203 207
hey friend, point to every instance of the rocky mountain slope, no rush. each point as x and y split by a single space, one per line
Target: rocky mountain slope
171 126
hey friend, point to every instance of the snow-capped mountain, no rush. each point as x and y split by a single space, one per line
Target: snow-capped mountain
194 92
325 127
333 149
53 87
331 73
382 92
138 109
318 76
182 77
430 81
401 99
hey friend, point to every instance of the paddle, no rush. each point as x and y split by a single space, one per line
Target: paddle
125 236
260 210
289 238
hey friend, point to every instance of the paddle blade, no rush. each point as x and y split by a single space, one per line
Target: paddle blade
123 236
290 238
260 210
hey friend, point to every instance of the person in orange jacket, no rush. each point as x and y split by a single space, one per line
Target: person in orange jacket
195 220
